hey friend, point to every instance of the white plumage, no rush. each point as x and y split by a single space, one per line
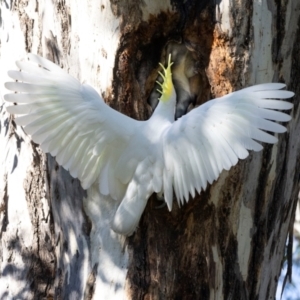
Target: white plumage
129 159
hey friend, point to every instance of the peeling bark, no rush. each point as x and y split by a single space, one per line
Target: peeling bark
229 242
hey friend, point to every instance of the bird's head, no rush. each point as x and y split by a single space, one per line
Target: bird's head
167 88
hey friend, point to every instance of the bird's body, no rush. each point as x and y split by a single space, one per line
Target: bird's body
129 159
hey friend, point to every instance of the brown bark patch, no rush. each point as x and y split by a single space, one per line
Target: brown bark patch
138 54
41 256
3 209
171 258
222 66
90 284
65 23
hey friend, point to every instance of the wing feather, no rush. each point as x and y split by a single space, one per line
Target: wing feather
229 157
201 182
263 87
212 137
70 120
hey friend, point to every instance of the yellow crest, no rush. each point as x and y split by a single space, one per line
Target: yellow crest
167 84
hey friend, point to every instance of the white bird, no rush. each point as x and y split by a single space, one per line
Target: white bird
130 159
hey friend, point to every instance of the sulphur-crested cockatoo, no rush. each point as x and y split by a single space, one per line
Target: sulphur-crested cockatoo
129 159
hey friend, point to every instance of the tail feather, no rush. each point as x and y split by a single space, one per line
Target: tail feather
129 212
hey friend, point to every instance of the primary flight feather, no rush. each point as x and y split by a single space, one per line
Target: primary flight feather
129 159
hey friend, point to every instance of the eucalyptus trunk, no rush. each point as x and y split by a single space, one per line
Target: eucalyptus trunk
228 242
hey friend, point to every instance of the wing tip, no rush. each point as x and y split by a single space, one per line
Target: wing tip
6 84
10 109
7 97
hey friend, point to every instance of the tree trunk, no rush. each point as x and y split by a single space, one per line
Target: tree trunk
228 242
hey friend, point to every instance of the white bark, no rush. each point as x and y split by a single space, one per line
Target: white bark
41 205
88 33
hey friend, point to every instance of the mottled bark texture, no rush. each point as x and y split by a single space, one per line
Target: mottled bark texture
229 242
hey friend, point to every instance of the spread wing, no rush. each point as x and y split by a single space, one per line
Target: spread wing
71 121
212 137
